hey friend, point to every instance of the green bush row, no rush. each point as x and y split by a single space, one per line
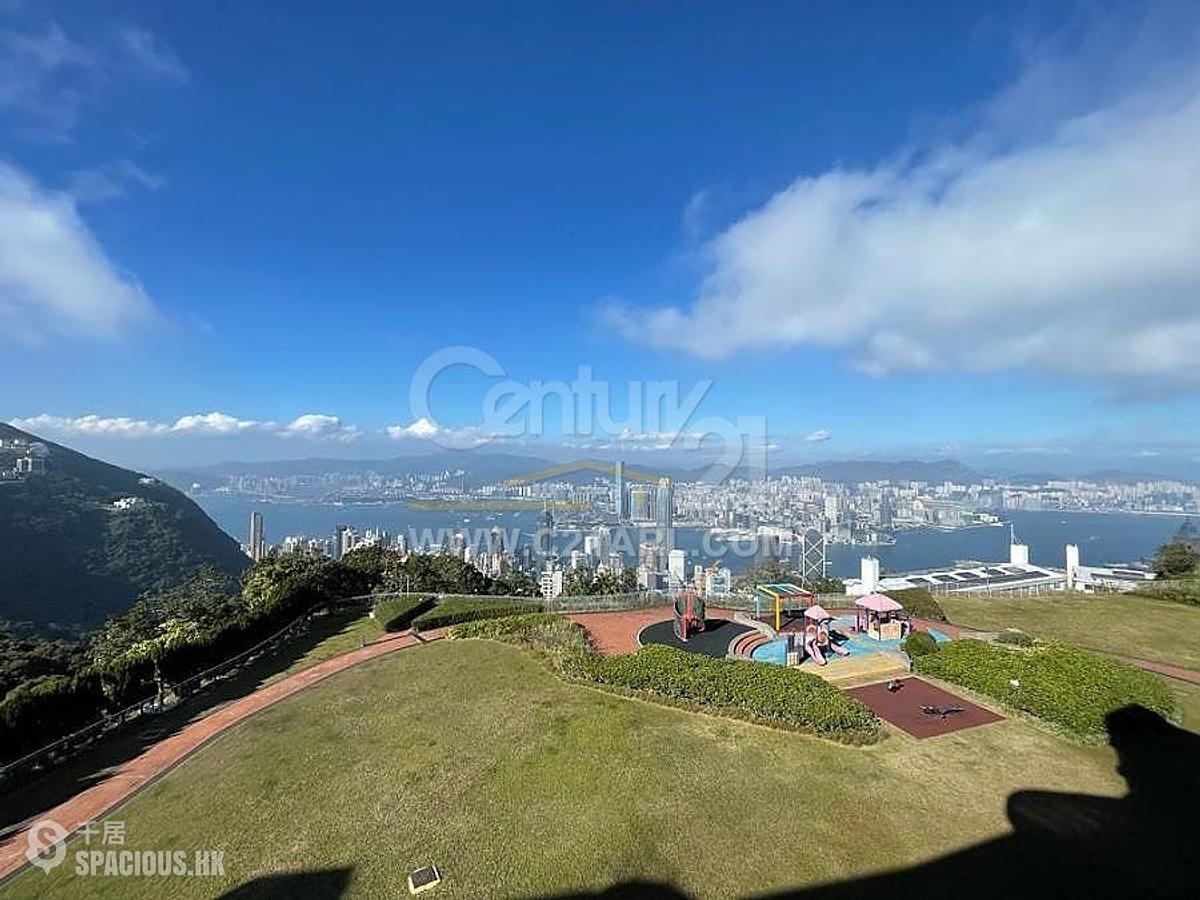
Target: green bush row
1175 590
770 695
398 614
920 643
920 603
454 610
1065 685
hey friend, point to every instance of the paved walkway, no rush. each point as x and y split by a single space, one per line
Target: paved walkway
92 804
1189 675
616 632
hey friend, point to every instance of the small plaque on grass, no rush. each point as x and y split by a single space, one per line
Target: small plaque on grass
424 879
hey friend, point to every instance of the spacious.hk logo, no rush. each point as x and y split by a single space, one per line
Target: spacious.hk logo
46 848
46 845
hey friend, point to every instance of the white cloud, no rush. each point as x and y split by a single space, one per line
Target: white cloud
421 428
54 276
217 423
35 83
91 426
311 426
317 426
425 429
149 51
1073 247
110 180
816 437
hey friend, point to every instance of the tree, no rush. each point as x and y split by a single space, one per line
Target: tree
1175 559
375 563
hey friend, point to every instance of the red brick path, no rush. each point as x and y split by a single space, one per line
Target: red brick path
92 804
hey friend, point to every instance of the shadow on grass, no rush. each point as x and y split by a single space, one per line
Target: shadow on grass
95 764
1061 845
318 883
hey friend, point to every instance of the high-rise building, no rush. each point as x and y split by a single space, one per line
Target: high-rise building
343 541
664 503
639 504
256 546
664 514
619 491
676 568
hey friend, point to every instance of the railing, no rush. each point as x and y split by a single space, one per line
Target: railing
67 746
63 748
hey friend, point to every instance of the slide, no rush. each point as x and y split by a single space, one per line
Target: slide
811 648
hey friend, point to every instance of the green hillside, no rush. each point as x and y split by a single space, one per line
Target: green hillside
70 554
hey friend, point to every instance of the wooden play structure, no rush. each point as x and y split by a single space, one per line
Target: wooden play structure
881 618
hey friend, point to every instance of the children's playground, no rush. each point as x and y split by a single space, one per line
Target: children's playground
799 632
859 648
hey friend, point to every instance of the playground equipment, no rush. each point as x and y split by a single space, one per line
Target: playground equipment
776 595
817 642
881 618
813 640
689 614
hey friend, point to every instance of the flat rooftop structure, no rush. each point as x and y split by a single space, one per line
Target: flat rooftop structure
990 578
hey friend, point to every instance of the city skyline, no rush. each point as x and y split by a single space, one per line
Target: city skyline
869 265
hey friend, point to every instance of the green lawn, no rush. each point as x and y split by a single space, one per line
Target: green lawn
1123 624
340 633
527 785
328 636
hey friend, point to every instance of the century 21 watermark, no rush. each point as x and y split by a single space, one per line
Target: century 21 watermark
104 853
586 408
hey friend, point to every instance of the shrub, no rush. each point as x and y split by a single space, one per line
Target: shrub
761 693
920 643
398 614
1182 590
454 610
563 641
919 602
1065 685
1016 637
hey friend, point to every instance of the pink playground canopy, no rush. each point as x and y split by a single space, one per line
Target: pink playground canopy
817 613
878 603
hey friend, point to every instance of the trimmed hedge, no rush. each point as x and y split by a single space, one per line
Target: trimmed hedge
769 695
398 615
1064 685
919 602
455 610
920 643
1016 637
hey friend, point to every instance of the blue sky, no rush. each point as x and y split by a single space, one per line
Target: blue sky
234 229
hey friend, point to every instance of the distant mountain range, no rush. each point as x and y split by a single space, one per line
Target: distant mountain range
83 540
485 467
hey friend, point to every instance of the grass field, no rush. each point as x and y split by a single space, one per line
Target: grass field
526 785
1122 624
341 633
328 636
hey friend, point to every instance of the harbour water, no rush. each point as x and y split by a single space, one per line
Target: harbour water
1102 537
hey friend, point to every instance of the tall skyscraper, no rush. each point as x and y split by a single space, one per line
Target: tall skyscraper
664 502
619 491
256 545
664 513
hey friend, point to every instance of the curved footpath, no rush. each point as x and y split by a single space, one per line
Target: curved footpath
130 777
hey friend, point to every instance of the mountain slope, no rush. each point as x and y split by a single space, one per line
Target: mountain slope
70 555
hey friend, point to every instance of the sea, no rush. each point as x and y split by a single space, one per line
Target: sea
1102 538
